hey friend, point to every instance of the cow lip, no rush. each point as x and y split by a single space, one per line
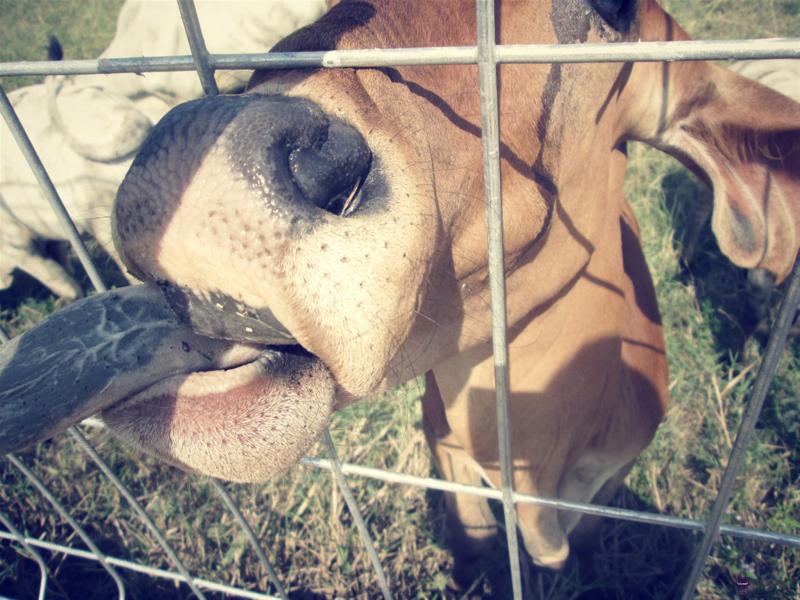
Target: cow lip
242 412
262 360
217 316
248 423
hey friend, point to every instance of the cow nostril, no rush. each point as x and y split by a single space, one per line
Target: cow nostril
345 204
330 173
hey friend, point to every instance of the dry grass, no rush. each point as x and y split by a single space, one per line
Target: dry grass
301 520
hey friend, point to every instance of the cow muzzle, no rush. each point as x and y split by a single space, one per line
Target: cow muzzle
270 242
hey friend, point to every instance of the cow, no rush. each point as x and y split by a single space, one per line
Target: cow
322 237
86 160
155 28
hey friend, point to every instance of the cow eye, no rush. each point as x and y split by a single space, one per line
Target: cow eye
617 13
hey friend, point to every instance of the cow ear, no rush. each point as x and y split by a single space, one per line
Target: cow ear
740 137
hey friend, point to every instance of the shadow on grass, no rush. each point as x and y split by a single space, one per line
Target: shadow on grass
74 577
630 560
721 288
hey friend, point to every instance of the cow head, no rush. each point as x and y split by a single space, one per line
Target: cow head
326 229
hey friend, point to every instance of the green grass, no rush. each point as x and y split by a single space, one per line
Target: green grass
301 519
84 28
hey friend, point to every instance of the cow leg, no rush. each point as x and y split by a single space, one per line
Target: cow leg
760 288
584 482
548 533
584 529
470 526
6 278
50 274
18 250
542 532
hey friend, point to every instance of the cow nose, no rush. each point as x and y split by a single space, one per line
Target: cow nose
290 150
330 171
291 153
232 171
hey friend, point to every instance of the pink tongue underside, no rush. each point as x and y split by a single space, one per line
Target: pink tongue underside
246 424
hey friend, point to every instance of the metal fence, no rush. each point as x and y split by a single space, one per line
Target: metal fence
486 55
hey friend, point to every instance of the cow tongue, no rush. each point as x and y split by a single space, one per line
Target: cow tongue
227 409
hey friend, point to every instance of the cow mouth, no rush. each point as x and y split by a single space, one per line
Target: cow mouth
247 423
225 406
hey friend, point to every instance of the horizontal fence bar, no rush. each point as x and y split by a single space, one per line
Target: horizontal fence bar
650 51
139 568
624 514
445 486
445 55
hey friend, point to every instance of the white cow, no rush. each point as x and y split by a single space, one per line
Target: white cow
781 74
154 28
87 128
86 137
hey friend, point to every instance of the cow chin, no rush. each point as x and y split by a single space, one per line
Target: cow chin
246 424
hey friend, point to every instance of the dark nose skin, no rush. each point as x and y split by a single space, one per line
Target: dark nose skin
292 153
332 166
290 150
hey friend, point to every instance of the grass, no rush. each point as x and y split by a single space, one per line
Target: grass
301 519
84 28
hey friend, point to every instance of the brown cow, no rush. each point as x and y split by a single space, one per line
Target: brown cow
343 210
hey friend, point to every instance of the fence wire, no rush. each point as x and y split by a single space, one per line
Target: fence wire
490 134
487 55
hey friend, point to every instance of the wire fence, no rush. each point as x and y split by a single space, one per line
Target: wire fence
486 55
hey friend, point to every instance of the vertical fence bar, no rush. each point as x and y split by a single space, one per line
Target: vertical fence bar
39 484
49 190
766 372
490 135
138 508
198 46
355 512
31 550
251 536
